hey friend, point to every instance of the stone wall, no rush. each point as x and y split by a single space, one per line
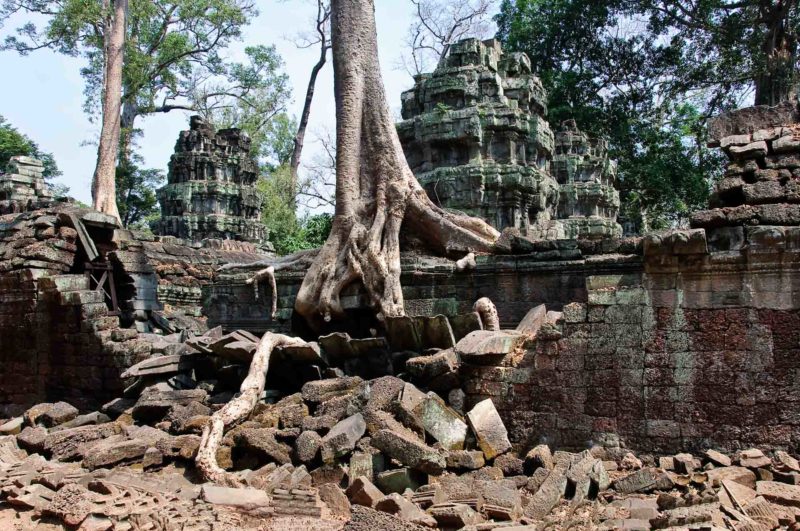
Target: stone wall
699 349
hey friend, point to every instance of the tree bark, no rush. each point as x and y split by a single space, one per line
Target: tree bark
376 191
103 183
777 81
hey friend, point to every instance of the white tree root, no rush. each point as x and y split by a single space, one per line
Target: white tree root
466 263
488 313
237 410
268 273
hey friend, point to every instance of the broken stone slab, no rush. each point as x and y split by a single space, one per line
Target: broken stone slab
441 422
164 365
488 347
50 414
363 492
500 501
323 390
71 504
395 504
32 439
738 474
336 500
154 406
464 324
779 493
465 459
243 498
410 451
489 429
34 496
538 457
12 427
786 461
753 458
264 442
308 354
402 334
549 493
718 458
384 393
643 480
533 320
343 437
454 515
361 464
93 418
70 444
425 368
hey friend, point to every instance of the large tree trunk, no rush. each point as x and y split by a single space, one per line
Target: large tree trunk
103 184
777 81
375 189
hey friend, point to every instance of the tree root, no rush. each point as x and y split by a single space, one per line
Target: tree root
237 410
488 313
269 273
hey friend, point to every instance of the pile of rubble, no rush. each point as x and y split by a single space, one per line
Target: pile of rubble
376 454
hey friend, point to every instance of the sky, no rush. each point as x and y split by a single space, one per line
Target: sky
42 94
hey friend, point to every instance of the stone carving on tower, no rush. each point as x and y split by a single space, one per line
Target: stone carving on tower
588 202
210 190
475 135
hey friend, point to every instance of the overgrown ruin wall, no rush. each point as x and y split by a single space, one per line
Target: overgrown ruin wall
694 342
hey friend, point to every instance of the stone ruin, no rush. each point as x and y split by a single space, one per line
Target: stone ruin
476 136
634 383
22 185
210 191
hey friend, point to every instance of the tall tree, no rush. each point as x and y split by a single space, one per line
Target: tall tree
439 23
320 38
376 192
104 196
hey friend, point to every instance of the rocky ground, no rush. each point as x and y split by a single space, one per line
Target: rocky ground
354 454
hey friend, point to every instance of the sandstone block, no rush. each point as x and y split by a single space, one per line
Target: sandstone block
489 429
397 505
363 492
343 437
409 450
441 422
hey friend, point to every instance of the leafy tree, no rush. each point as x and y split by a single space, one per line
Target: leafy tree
606 66
13 143
136 193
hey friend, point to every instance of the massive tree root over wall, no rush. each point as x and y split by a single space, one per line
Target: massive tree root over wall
376 191
237 410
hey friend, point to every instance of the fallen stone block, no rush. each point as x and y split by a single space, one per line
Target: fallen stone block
336 500
786 461
402 334
425 368
363 492
538 457
465 459
164 365
343 437
642 480
533 320
489 429
243 498
549 493
397 505
780 493
454 515
307 445
718 458
410 451
49 415
323 390
71 504
435 332
753 458
263 442
441 422
71 444
12 427
734 473
487 347
154 406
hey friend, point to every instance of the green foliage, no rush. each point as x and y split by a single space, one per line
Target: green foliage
13 143
136 196
619 77
288 233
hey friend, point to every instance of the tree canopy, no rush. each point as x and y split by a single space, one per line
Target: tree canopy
13 143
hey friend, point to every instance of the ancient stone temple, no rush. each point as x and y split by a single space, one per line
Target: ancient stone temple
475 135
22 185
588 201
210 191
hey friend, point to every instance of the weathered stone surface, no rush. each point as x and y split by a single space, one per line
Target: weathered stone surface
244 498
539 457
718 458
307 446
336 500
399 480
489 429
70 444
780 493
409 450
397 505
263 442
49 415
487 347
12 427
753 458
465 459
71 504
154 405
441 422
733 473
363 492
323 390
343 437
549 493
454 515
